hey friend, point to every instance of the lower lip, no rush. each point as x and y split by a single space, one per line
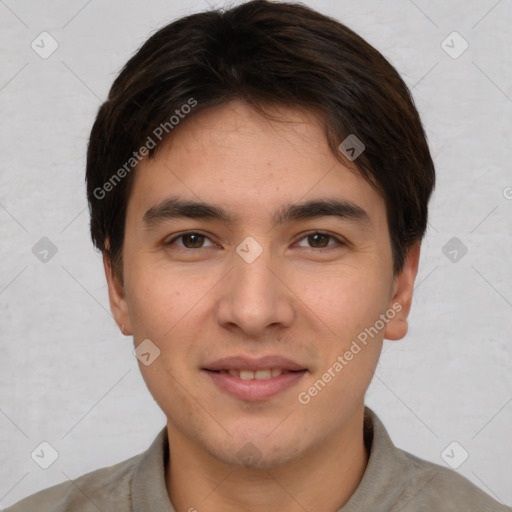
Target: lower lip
254 389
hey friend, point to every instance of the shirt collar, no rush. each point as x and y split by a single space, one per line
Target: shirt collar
382 481
149 491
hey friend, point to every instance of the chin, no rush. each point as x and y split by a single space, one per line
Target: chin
249 456
256 450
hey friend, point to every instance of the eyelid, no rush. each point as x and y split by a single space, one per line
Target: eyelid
339 240
177 236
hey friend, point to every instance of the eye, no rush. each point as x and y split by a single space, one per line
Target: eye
319 240
190 240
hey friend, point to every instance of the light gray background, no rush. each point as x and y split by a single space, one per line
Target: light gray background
69 377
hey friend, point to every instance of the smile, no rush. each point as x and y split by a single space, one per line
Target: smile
258 375
257 385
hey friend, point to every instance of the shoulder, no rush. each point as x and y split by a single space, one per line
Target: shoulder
107 488
434 487
402 482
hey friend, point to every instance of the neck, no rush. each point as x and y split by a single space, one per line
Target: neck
322 479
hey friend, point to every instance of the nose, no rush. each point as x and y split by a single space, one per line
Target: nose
255 297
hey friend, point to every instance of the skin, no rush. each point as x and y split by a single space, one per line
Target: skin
302 298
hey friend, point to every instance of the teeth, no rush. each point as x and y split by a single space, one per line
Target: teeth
263 374
259 375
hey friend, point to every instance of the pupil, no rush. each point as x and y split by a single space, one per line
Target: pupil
194 239
316 238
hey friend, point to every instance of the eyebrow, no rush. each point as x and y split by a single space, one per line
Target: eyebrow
174 208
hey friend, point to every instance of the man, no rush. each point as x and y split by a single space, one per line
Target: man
258 182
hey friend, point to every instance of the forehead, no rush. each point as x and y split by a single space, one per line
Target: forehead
235 120
235 155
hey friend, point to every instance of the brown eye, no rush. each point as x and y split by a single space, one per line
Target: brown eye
190 240
193 240
317 240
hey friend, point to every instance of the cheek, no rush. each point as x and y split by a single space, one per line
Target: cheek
161 301
166 312
346 301
170 309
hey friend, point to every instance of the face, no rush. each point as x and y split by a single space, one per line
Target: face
258 298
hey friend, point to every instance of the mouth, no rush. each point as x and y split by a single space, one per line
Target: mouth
256 375
254 379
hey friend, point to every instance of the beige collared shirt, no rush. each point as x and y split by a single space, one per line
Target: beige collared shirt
394 481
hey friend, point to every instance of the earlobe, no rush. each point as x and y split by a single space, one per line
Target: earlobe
116 294
401 302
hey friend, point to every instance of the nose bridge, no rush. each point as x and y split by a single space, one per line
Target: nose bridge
254 298
253 276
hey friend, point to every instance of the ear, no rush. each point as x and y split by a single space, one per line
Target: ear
401 302
116 295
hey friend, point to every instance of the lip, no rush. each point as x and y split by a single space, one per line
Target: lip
254 389
254 364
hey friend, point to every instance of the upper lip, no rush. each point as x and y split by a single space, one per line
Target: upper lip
253 364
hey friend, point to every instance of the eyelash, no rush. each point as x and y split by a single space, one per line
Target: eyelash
338 242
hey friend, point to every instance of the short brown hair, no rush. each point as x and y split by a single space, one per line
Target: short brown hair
268 54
